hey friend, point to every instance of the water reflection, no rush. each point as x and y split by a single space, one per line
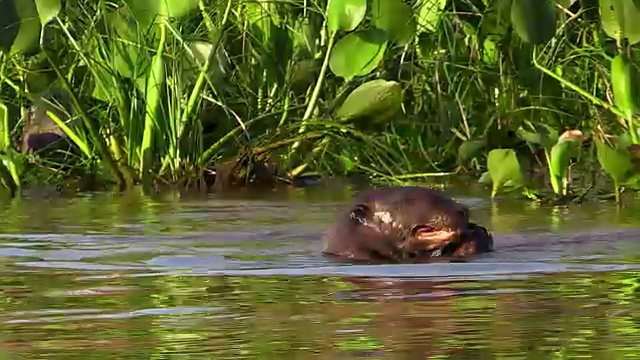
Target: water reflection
124 276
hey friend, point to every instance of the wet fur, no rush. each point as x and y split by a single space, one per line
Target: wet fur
373 240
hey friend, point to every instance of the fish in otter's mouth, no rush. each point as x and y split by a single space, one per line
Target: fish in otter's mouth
404 222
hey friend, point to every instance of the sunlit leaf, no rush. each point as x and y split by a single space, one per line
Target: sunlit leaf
560 158
48 9
27 23
429 14
504 168
371 98
619 19
345 15
624 82
358 53
616 162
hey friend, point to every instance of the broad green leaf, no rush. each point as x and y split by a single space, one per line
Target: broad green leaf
128 57
561 154
485 178
624 81
10 25
619 19
469 150
429 14
371 98
48 9
504 169
345 15
29 26
358 53
534 20
616 162
395 17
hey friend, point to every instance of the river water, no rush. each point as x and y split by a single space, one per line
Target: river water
132 277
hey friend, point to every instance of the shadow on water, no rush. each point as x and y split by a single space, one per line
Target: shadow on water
124 276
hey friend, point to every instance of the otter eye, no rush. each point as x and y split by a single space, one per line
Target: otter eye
421 228
359 213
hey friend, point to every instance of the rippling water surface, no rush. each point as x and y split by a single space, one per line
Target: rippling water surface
124 276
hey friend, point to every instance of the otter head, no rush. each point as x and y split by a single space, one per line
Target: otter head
398 223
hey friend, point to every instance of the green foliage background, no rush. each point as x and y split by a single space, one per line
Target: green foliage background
157 92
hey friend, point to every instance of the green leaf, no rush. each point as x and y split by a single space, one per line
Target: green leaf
504 169
48 9
371 98
619 19
129 59
534 20
485 178
29 26
624 81
617 163
395 17
429 14
358 53
489 52
561 154
469 150
345 15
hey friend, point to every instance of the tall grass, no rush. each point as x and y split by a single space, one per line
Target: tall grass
162 95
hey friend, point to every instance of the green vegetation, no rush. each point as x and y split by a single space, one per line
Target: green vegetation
162 92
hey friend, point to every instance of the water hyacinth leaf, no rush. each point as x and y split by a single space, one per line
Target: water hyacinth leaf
28 25
619 19
371 98
504 169
345 15
395 17
10 24
358 53
429 14
469 149
534 20
560 158
624 81
48 9
128 57
616 162
485 178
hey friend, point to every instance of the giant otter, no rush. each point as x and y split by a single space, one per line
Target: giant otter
405 223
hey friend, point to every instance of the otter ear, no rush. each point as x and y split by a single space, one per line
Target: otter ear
359 213
419 229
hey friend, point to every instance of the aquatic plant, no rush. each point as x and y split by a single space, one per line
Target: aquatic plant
396 89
